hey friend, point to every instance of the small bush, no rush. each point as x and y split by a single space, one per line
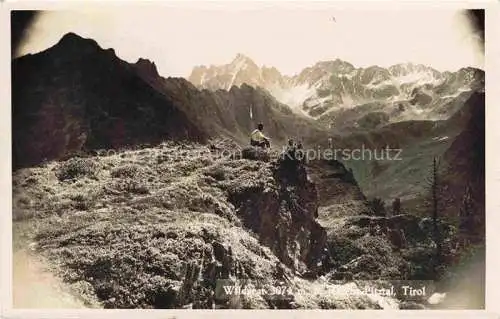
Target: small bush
380 259
130 171
342 250
81 201
24 201
377 206
75 168
132 186
374 245
217 173
421 262
32 180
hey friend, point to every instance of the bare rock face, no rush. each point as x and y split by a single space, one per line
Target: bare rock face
336 183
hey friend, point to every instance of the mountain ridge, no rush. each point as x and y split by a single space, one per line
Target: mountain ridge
78 96
327 86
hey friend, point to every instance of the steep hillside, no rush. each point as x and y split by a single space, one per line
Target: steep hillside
233 112
77 96
419 142
459 143
464 169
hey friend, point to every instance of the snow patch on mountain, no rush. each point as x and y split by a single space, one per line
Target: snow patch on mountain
294 96
440 138
412 80
239 63
419 78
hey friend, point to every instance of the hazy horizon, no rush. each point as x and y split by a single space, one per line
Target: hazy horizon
179 38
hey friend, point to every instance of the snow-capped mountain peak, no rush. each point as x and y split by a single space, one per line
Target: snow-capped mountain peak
413 90
240 70
242 59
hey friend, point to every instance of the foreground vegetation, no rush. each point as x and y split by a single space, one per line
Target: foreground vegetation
157 227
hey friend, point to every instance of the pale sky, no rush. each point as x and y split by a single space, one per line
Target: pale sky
181 37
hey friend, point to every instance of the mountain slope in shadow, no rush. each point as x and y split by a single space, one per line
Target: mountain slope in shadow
77 96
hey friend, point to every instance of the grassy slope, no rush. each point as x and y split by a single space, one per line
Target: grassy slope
406 176
125 228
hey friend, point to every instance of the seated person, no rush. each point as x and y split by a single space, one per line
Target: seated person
257 138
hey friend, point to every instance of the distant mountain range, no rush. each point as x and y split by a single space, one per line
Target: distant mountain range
329 90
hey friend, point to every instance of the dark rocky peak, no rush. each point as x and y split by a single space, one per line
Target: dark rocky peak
147 68
70 49
72 43
246 87
76 96
242 89
249 90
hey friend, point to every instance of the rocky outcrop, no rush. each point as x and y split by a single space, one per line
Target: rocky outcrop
338 192
282 209
335 182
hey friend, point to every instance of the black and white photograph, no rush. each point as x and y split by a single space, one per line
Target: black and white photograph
255 155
